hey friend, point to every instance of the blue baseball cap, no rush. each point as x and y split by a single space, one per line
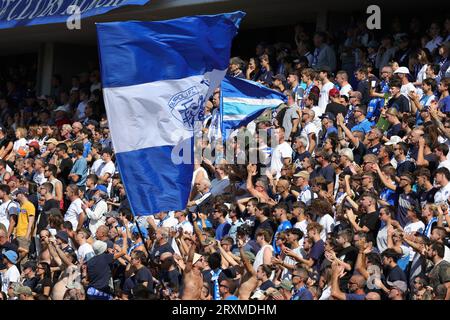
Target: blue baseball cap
144 231
11 256
101 188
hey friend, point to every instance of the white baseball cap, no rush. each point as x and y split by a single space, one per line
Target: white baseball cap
404 70
393 141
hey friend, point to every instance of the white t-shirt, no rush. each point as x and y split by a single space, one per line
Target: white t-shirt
21 143
280 152
85 252
107 168
97 163
6 209
323 99
317 121
73 212
406 88
345 90
302 226
447 254
414 226
168 222
288 260
309 128
445 164
421 75
186 226
326 293
80 110
10 275
442 194
327 222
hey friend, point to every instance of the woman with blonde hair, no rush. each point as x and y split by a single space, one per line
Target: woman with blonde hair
429 215
20 145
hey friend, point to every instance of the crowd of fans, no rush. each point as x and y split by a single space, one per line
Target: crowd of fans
350 203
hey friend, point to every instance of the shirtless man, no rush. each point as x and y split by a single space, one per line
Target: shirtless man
249 282
71 274
44 253
193 277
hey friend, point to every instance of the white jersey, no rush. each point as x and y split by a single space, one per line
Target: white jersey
345 90
73 213
323 99
7 209
85 252
9 276
97 163
280 152
106 168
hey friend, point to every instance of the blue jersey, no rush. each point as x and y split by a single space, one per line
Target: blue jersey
374 108
283 226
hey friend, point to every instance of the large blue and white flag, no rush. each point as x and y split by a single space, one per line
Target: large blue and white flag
242 101
156 78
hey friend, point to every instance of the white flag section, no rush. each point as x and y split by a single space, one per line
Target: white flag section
157 76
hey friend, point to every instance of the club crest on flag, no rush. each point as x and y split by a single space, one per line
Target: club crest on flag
187 107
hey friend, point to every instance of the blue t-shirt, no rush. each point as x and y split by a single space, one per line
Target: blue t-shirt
317 253
330 130
388 195
364 126
354 296
231 298
80 168
222 230
283 226
444 104
87 149
207 223
302 294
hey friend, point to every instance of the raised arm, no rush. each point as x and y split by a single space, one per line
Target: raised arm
383 178
421 161
124 246
347 132
226 255
248 266
336 271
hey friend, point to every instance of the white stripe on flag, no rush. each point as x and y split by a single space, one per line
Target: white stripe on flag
253 101
234 117
144 111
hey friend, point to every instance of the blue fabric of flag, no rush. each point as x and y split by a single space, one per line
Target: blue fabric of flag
242 101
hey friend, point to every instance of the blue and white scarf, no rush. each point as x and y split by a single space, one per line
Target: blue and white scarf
215 278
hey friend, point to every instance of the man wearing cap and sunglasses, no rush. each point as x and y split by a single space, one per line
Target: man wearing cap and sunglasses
11 274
